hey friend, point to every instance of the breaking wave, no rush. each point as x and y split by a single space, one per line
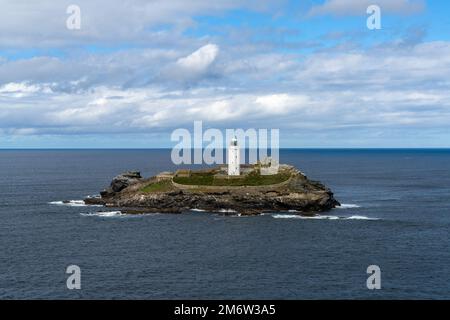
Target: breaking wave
110 214
348 206
320 217
227 211
93 196
361 218
220 211
295 216
73 203
103 214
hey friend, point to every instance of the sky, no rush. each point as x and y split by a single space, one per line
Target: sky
137 70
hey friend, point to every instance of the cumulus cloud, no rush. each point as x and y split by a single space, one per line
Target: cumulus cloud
191 68
199 60
329 90
22 89
282 103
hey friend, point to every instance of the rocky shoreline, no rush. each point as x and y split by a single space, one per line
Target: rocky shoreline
134 194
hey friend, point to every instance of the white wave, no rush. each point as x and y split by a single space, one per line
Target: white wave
221 210
227 211
348 206
240 215
360 218
73 203
295 216
103 214
320 217
93 196
116 214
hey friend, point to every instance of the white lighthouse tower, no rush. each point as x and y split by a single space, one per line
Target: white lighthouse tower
233 158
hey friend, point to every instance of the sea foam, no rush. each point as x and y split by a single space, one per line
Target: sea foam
73 203
348 206
360 218
103 214
227 211
320 217
295 216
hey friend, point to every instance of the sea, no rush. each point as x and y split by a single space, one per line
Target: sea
395 215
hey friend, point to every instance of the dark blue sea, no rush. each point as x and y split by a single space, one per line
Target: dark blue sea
395 214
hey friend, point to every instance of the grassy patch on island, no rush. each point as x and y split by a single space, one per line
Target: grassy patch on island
160 186
196 179
205 179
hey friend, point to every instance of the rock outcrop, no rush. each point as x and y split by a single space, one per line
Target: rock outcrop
133 194
121 182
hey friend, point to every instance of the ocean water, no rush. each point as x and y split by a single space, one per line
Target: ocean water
396 215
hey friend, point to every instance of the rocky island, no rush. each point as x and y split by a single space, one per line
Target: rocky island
213 190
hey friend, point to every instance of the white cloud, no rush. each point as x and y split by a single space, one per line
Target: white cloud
199 60
358 7
348 93
43 23
22 89
276 104
328 89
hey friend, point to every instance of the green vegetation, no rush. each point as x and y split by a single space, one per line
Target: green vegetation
160 186
196 179
253 179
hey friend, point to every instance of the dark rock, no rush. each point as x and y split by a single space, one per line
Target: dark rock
108 193
94 201
121 182
124 180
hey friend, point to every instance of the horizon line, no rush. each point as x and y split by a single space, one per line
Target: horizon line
288 148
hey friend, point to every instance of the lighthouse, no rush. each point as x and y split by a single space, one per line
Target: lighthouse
233 158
